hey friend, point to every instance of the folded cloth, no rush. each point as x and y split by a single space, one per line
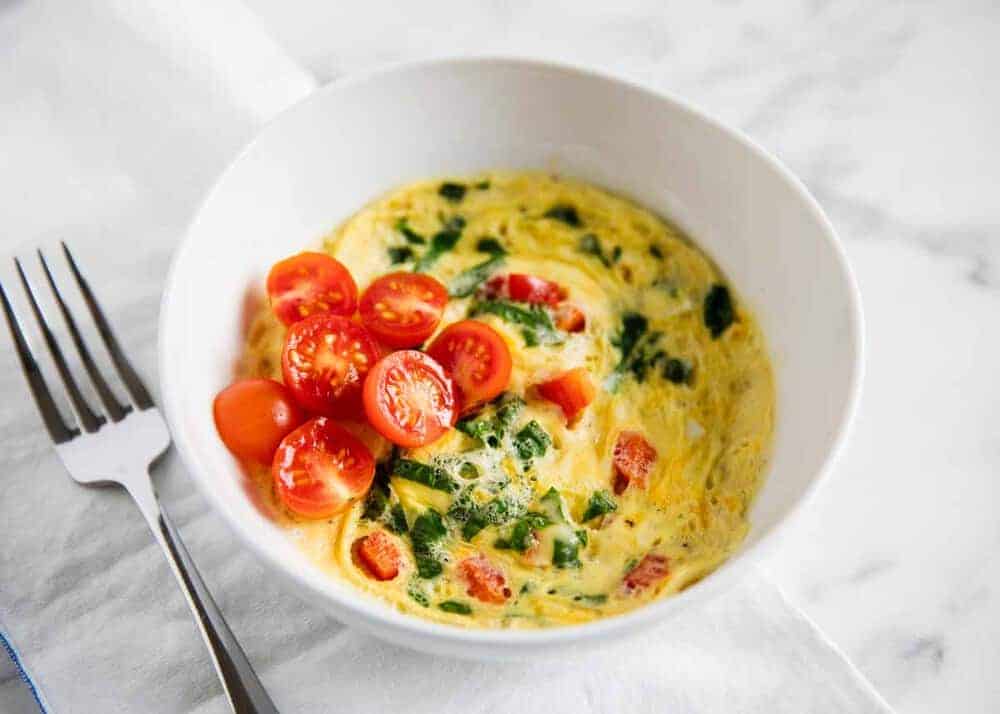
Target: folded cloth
118 115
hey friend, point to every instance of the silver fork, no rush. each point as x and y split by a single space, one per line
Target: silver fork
116 444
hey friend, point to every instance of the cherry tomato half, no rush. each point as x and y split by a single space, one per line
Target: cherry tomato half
477 358
571 390
402 309
409 399
310 284
525 288
321 468
254 415
324 363
633 459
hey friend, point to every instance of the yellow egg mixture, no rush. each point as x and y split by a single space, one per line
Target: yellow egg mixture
704 400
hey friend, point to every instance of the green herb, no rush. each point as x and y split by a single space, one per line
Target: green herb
455 607
491 429
718 313
399 254
441 243
411 235
418 595
456 223
677 371
491 246
469 471
453 192
637 346
616 254
598 599
483 185
466 282
566 554
521 536
565 213
430 476
396 521
427 531
377 501
378 504
552 505
656 251
536 321
531 442
591 245
599 504
475 517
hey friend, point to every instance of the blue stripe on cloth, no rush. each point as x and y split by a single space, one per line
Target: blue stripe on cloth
25 677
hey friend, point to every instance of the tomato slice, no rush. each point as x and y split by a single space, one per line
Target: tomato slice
477 358
651 569
325 360
485 581
403 309
321 468
409 399
310 284
379 554
571 390
633 459
252 416
570 318
524 288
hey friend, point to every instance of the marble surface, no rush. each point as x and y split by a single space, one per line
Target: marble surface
887 111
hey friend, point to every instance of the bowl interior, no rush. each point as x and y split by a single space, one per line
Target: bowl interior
325 158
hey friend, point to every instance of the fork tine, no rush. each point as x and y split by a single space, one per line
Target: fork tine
112 407
58 431
138 391
86 416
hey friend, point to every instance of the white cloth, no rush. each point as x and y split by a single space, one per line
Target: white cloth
117 116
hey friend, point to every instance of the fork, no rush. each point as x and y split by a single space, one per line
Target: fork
117 443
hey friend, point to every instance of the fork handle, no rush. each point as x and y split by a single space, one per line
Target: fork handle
245 691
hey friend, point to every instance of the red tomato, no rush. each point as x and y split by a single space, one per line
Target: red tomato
378 553
321 468
477 358
524 288
486 582
652 568
325 360
633 459
571 390
310 284
570 318
402 309
253 416
409 399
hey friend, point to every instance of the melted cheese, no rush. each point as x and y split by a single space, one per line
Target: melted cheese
712 435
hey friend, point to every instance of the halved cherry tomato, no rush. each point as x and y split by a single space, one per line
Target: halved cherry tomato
254 415
325 360
321 468
524 288
409 399
570 318
485 581
379 554
571 390
402 309
477 358
651 569
310 284
633 459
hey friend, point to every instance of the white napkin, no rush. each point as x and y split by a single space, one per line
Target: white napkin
119 115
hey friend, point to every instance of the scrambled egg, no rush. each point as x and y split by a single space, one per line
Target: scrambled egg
701 393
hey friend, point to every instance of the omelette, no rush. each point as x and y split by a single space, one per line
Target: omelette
682 382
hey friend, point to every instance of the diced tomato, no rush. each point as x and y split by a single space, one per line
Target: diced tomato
478 360
409 399
254 415
571 390
311 284
485 581
378 552
402 309
320 469
570 318
325 361
524 288
651 569
633 459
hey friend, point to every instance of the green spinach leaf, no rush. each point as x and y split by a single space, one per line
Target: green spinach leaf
431 476
535 320
453 192
428 530
566 213
453 606
399 254
600 503
409 234
718 310
466 282
531 442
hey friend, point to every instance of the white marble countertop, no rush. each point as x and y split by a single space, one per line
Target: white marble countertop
888 112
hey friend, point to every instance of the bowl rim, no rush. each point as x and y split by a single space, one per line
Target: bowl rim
374 615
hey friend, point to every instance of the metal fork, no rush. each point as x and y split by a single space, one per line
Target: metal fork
117 443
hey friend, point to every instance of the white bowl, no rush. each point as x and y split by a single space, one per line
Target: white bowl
349 142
